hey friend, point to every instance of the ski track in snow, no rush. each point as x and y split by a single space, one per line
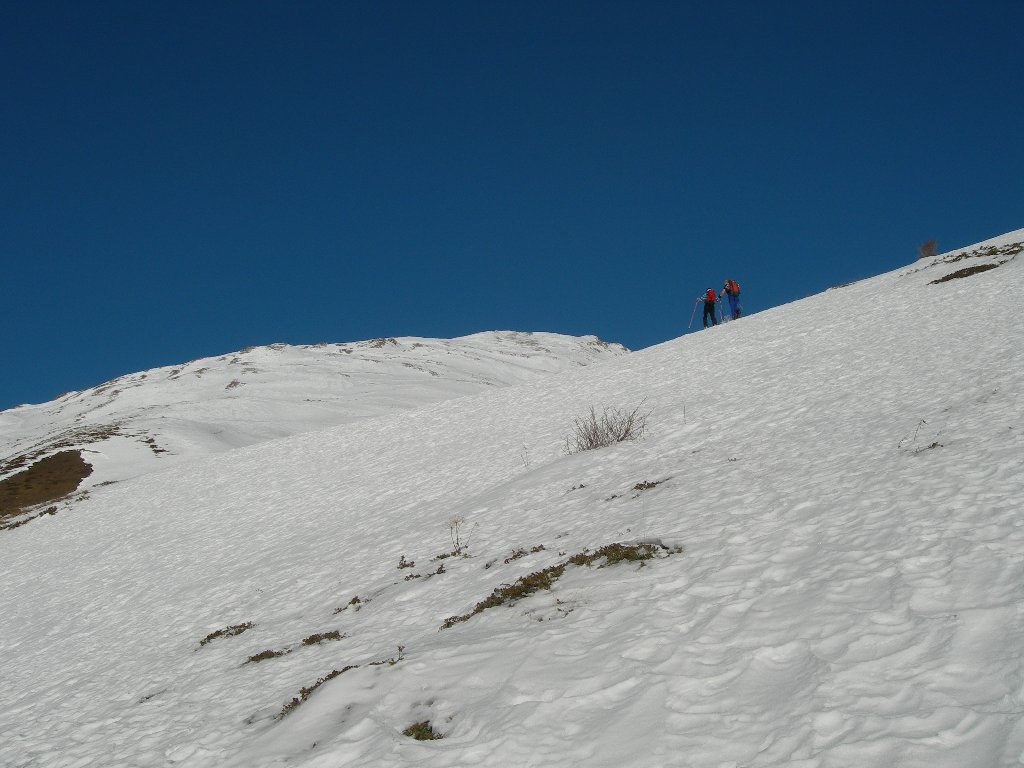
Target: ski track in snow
849 591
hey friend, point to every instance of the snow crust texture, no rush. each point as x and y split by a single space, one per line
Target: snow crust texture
148 421
840 481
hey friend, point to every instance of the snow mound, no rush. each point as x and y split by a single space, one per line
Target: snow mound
153 419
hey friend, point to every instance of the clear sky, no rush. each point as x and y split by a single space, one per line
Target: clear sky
184 179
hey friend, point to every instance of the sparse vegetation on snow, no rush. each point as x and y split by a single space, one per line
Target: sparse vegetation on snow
422 731
508 594
231 631
846 489
611 426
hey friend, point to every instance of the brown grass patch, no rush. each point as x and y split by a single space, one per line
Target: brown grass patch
647 485
355 604
616 553
231 631
47 480
69 439
322 637
545 579
307 691
1010 249
422 731
965 272
264 655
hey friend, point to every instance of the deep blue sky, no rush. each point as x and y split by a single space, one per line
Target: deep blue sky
183 179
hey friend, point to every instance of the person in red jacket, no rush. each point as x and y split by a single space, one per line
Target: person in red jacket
709 306
732 289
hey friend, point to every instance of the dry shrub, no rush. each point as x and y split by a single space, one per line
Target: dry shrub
610 427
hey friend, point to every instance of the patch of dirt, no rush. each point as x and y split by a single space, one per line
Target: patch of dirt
610 554
647 485
65 440
47 480
232 631
965 272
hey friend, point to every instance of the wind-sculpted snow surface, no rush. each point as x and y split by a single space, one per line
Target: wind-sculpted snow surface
838 578
149 420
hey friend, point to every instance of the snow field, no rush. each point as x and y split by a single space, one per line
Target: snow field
168 415
847 594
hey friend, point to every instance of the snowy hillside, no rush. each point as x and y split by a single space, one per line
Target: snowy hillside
831 493
152 419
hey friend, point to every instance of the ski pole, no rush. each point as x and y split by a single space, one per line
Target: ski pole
694 313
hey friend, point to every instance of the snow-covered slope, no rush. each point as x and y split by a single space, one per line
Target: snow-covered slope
152 419
844 481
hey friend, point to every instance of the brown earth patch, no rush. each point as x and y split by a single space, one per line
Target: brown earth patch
46 480
965 272
67 439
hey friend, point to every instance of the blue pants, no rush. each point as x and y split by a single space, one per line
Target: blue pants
734 305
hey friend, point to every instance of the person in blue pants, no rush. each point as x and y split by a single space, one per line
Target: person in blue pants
732 289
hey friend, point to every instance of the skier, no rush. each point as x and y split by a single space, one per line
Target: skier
732 289
709 306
